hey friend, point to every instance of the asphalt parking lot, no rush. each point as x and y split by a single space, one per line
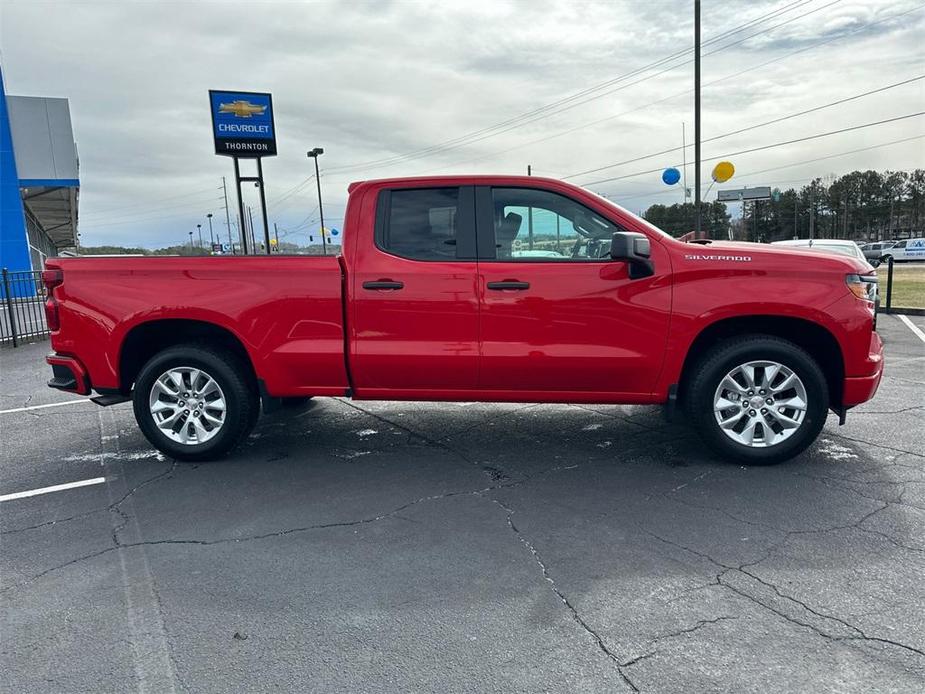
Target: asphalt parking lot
378 547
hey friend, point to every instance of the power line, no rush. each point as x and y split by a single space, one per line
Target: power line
752 68
291 191
144 218
764 147
751 174
752 127
549 109
151 202
157 209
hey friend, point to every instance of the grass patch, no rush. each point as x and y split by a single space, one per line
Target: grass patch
908 285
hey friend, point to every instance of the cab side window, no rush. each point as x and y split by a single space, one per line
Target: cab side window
533 225
419 224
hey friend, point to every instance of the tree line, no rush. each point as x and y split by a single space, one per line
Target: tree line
861 205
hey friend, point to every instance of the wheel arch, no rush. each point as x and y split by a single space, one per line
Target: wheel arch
814 338
146 339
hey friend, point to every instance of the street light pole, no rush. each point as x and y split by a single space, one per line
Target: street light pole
211 235
199 229
191 243
314 154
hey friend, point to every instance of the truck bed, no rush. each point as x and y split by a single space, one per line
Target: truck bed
286 311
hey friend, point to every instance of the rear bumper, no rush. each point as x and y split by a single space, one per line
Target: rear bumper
858 389
68 374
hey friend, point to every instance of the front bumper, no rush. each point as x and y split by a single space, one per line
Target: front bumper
858 389
68 374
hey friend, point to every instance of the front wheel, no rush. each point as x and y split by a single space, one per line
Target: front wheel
193 403
758 400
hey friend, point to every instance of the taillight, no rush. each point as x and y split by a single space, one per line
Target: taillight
52 279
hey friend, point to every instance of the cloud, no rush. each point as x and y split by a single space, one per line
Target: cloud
375 81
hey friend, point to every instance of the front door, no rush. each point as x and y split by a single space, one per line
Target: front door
557 314
414 302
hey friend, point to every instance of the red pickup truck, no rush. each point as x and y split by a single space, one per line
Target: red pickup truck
488 288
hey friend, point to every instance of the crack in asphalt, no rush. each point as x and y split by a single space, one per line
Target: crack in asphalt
856 525
900 411
875 445
855 632
576 615
118 544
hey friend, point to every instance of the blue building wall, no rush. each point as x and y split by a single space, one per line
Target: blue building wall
14 246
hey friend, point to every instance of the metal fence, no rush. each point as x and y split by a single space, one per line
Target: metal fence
908 303
23 312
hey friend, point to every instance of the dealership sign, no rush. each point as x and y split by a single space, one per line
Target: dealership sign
242 123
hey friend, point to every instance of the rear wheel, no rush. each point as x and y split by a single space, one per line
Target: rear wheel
758 400
192 403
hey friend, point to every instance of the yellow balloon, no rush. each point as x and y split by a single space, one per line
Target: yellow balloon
723 171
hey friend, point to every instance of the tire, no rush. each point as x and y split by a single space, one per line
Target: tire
157 397
770 425
886 258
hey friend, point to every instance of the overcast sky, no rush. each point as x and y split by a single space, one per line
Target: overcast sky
375 82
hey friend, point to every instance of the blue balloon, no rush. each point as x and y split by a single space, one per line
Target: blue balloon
671 176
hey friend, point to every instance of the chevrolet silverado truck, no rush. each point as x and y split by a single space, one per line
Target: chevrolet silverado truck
475 288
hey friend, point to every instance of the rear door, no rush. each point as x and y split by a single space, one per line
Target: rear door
557 313
414 301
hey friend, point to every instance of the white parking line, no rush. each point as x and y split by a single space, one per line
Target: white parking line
42 407
55 488
912 326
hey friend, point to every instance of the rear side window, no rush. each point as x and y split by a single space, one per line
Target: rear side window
420 224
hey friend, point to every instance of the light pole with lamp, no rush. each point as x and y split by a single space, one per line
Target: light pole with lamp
191 243
314 154
199 229
211 236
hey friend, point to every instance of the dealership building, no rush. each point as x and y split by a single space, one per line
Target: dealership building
39 181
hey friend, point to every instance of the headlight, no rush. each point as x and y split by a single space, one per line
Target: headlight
863 286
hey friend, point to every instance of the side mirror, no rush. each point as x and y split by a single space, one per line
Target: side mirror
634 249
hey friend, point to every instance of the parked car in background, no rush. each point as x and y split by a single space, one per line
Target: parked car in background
840 247
837 246
877 249
907 249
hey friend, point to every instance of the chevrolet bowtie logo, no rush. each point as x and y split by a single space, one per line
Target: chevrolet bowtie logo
242 109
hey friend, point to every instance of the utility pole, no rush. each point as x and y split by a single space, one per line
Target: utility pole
227 216
250 226
796 219
697 118
812 210
276 236
529 170
687 193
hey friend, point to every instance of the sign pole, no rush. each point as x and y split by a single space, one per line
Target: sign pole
263 206
237 185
